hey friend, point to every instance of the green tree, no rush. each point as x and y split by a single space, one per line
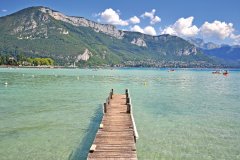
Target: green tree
40 61
1 61
50 61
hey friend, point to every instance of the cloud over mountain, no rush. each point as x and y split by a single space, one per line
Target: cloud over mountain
182 27
217 29
134 20
147 30
235 38
110 16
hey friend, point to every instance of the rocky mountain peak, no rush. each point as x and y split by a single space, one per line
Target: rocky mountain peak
85 56
139 42
80 21
30 26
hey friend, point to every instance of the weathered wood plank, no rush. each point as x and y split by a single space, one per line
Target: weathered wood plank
115 137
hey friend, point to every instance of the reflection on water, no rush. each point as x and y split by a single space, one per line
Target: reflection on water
54 113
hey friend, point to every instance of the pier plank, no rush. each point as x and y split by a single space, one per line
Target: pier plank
115 138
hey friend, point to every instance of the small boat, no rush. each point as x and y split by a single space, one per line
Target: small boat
216 72
225 72
171 70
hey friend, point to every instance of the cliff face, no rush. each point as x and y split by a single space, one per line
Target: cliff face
85 56
30 26
80 21
37 24
187 51
139 42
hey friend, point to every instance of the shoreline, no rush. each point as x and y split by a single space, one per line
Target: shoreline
127 67
39 67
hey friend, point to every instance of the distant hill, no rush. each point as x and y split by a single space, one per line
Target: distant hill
203 45
229 55
43 32
225 54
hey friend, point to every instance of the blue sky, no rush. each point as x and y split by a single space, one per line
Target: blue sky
211 20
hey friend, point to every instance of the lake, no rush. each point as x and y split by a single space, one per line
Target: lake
54 113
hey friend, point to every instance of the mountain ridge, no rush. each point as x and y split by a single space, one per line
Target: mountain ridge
45 32
226 54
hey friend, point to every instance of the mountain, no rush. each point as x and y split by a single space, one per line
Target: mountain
203 45
43 32
225 54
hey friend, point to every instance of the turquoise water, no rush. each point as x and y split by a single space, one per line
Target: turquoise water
53 113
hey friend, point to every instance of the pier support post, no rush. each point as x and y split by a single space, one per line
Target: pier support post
111 93
127 93
128 100
104 108
129 108
135 139
108 100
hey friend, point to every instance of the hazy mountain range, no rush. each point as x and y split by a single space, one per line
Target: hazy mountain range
225 54
43 32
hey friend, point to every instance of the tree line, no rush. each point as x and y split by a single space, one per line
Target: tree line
21 60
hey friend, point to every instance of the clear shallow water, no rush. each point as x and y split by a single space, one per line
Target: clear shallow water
187 114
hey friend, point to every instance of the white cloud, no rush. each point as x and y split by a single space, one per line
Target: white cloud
168 30
182 27
217 29
153 19
235 38
112 17
149 14
147 30
4 10
134 20
136 28
220 31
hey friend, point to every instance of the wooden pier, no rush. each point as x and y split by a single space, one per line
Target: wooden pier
117 133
